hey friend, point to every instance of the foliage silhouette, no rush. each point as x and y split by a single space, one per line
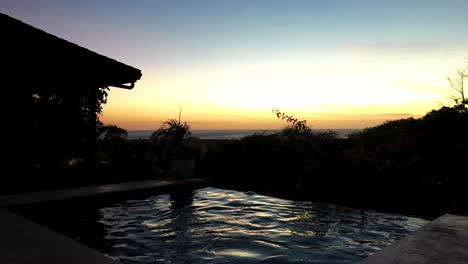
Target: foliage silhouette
174 141
113 145
65 125
296 123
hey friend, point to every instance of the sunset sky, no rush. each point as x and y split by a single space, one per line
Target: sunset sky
338 64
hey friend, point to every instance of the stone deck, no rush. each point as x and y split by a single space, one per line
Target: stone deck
444 240
25 242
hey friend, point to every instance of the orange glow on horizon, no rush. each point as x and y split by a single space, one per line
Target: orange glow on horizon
241 96
259 120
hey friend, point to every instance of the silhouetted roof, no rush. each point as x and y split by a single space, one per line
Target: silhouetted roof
39 57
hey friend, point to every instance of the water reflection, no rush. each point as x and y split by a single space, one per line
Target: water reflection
219 226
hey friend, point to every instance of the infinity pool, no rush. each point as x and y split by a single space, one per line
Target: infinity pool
213 225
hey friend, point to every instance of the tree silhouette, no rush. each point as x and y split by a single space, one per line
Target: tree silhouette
457 83
65 124
113 143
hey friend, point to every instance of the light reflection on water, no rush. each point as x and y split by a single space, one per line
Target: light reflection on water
214 225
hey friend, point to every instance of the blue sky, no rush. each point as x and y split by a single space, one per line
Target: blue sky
259 40
209 29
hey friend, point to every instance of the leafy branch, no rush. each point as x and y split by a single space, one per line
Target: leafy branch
296 123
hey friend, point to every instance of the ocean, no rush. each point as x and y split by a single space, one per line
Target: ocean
231 134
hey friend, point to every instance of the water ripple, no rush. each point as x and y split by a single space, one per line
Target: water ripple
224 226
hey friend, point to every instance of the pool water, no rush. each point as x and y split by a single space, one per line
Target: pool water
214 225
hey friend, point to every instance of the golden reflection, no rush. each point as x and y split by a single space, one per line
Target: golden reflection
237 253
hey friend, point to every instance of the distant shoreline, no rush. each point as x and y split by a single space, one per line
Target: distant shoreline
232 133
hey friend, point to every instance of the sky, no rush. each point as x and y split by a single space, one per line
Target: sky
227 64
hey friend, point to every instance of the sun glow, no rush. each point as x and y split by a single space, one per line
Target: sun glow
242 95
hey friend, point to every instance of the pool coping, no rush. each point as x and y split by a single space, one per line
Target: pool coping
63 194
443 240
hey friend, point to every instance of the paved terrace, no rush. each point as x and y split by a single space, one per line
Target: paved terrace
25 242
